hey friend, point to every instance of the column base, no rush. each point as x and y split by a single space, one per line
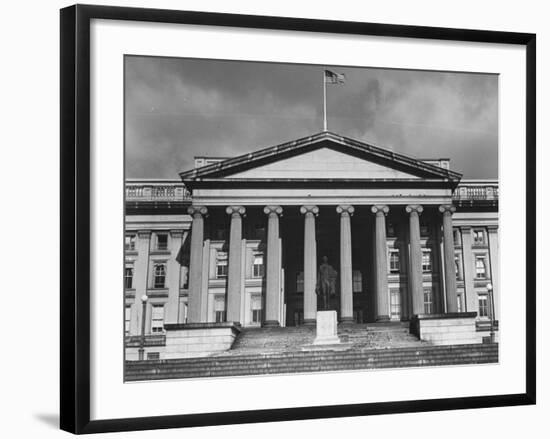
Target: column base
271 324
310 322
382 318
346 320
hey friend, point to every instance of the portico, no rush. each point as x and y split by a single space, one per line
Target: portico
383 220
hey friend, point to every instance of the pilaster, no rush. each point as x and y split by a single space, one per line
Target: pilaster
171 311
468 262
141 272
494 263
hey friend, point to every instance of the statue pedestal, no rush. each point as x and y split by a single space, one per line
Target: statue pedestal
327 328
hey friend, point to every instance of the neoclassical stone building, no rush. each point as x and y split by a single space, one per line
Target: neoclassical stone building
241 240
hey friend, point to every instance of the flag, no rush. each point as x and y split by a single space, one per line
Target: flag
183 254
334 78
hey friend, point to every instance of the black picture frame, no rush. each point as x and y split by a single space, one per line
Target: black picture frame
75 217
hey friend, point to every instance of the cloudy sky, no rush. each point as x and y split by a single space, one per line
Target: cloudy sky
179 108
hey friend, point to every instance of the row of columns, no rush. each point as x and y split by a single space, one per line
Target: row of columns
273 286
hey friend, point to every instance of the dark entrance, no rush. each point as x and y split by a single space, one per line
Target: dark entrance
327 227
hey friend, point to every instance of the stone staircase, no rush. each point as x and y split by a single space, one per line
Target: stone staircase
290 350
254 340
359 336
310 361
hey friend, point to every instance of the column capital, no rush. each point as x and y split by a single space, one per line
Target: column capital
273 210
235 211
380 209
345 209
447 209
197 211
314 210
414 208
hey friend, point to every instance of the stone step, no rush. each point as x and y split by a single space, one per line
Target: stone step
375 335
304 361
313 361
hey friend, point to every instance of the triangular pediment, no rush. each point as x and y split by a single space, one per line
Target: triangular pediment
322 156
323 163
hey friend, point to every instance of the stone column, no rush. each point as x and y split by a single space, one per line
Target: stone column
310 264
273 287
449 257
195 263
346 274
415 258
235 264
172 306
495 276
141 274
381 262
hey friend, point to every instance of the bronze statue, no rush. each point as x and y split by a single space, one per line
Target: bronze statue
326 283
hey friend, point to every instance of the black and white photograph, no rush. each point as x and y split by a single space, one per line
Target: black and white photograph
296 218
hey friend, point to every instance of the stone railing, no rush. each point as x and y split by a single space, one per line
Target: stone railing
156 190
174 190
486 190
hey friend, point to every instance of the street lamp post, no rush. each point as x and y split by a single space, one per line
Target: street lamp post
141 350
491 298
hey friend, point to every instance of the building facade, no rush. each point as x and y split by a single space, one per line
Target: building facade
241 240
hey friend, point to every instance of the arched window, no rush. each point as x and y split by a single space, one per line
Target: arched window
159 276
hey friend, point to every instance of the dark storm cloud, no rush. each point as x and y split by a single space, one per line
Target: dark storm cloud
177 109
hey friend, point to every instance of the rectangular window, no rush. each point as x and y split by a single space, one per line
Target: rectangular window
426 261
258 267
127 316
159 276
357 278
479 237
256 309
424 230
157 319
219 310
395 266
162 241
483 305
221 265
428 301
391 230
481 270
395 303
300 282
153 356
130 242
128 277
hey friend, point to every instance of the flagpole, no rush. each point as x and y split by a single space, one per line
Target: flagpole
324 101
